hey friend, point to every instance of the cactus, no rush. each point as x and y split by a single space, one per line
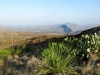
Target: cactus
86 44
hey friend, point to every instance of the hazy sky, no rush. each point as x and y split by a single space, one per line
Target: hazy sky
48 12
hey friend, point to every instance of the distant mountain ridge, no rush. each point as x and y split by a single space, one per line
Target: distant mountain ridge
67 28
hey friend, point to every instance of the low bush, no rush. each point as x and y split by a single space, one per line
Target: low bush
5 52
86 45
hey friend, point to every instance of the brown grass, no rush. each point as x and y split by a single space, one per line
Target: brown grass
20 37
93 66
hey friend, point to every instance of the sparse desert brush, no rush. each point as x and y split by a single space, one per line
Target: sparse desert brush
16 65
56 58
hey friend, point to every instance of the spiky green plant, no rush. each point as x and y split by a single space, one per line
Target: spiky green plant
58 59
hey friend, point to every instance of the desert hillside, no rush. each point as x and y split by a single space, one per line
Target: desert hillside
44 54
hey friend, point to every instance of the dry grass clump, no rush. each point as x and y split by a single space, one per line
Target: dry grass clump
93 66
20 65
97 70
87 70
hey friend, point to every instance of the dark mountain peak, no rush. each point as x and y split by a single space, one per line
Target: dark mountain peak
65 28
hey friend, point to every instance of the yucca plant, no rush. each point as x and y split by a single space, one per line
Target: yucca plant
58 59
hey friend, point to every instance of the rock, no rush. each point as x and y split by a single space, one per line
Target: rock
16 56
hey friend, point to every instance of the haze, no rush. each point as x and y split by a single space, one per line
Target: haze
49 12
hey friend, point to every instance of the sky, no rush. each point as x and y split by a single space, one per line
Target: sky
49 12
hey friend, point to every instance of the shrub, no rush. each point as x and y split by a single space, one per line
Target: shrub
5 52
58 59
86 45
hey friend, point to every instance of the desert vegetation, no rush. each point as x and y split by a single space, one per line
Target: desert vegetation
60 55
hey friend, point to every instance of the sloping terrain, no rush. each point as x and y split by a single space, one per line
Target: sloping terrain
7 38
90 31
30 58
39 43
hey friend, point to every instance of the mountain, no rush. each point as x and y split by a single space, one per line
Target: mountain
66 28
